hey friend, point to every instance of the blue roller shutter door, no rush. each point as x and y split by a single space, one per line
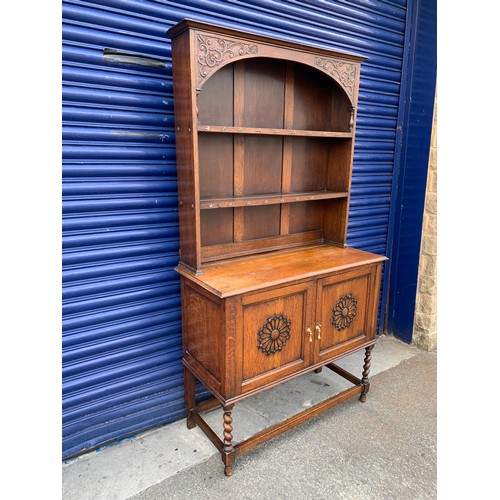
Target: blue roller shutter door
121 311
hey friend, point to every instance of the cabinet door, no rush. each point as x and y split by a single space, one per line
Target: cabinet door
275 339
346 311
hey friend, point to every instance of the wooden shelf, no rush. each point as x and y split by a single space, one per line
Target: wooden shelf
223 129
269 199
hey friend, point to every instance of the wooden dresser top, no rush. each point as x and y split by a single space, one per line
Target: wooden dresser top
244 274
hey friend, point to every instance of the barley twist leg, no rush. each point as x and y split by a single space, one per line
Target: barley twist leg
366 371
228 454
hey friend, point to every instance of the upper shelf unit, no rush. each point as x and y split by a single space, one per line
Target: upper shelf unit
265 135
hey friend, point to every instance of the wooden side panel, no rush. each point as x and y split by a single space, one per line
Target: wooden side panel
203 329
275 341
339 163
335 220
231 383
341 117
186 151
345 310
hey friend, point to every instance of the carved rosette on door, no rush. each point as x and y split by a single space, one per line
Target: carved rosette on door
274 334
344 312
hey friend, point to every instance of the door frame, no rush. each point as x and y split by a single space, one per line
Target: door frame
411 163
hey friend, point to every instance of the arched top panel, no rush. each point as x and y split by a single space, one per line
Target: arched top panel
273 93
214 51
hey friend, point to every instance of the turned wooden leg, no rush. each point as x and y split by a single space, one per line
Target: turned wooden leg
366 371
318 370
189 395
228 453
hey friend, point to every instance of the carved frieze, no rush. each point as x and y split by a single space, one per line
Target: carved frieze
212 51
344 73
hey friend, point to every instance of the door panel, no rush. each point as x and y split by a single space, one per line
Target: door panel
345 311
275 343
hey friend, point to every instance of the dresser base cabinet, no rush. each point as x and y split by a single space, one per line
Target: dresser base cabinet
239 340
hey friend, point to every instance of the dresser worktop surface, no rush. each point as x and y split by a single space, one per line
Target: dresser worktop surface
244 274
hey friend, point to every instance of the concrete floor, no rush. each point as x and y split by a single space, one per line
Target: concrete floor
383 449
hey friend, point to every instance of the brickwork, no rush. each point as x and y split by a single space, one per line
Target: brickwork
425 325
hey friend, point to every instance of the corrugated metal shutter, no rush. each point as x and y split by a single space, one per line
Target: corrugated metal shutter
121 310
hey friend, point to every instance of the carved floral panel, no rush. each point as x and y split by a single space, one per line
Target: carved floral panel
344 73
212 51
274 333
344 311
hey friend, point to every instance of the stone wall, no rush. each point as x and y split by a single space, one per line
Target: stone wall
425 325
